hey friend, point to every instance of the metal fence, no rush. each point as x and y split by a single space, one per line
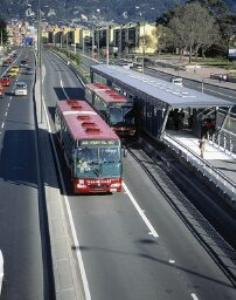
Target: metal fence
224 140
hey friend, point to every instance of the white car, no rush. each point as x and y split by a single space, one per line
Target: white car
21 89
177 81
1 270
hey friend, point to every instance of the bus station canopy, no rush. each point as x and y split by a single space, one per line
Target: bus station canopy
167 92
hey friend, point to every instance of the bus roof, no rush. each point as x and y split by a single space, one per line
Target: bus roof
106 93
83 122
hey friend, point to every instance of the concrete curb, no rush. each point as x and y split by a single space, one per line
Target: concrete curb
67 281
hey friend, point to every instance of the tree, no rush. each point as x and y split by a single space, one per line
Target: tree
165 38
3 31
194 28
225 20
215 7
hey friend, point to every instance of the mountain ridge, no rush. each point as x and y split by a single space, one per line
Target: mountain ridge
91 11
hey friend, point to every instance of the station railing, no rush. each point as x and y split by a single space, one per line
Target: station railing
224 140
220 180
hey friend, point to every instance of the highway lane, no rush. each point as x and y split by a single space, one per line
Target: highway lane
123 257
20 231
219 92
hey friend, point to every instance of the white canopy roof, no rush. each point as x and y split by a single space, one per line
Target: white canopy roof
167 92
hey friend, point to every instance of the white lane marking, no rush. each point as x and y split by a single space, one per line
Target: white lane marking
80 80
171 261
6 114
194 296
8 105
64 91
72 226
3 124
141 213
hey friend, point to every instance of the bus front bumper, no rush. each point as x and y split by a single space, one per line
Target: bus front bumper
101 185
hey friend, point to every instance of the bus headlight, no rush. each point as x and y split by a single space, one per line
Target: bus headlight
115 185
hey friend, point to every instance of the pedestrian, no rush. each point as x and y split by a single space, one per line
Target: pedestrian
202 146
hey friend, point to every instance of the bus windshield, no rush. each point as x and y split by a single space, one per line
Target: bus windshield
122 115
95 162
88 155
109 155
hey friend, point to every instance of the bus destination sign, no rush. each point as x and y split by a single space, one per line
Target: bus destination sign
99 143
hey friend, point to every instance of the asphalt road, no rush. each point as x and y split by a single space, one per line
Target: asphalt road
133 244
219 92
20 230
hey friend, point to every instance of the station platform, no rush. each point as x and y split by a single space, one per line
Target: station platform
217 164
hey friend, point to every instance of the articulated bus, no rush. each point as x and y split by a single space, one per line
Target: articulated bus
91 148
117 111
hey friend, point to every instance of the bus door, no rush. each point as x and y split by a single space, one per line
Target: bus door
149 116
101 106
156 120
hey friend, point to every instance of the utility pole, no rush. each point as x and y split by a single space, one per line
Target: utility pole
83 41
98 43
92 42
1 38
40 63
108 43
144 45
54 38
120 42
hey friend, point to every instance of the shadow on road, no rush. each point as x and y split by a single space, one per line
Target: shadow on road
18 160
154 259
71 93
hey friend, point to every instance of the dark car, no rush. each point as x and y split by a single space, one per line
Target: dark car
6 63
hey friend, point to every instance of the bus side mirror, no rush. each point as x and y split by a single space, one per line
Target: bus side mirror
124 151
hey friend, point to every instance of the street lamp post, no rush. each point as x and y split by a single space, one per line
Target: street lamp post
107 46
40 63
120 42
144 45
83 41
92 42
1 38
98 44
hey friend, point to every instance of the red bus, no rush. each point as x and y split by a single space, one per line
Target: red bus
91 148
116 109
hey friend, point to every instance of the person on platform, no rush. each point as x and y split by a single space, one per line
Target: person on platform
202 146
